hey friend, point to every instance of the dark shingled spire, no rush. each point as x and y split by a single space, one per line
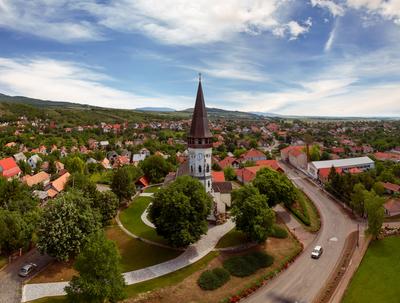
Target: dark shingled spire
199 128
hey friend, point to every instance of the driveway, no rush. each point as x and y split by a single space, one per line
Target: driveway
10 282
302 281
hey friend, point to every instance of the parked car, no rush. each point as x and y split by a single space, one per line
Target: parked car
27 269
317 252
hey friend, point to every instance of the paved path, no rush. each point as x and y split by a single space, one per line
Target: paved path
10 282
192 254
146 194
302 281
295 227
145 219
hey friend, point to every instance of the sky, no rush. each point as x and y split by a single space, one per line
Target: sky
293 57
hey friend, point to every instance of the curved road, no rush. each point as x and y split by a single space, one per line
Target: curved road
302 281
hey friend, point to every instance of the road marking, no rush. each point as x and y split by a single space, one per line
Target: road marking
333 239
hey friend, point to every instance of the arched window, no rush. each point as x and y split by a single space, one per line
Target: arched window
199 168
208 168
209 184
191 168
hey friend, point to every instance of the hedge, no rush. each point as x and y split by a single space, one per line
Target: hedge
242 266
213 279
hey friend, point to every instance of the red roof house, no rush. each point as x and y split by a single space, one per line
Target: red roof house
218 176
9 168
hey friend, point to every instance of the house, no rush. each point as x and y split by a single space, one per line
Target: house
392 207
391 188
217 176
323 174
350 165
112 156
222 195
9 168
106 163
40 194
40 178
136 158
141 183
19 157
34 160
104 144
295 155
57 186
387 156
59 166
121 161
271 164
144 151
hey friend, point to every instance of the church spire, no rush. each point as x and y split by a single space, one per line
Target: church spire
199 128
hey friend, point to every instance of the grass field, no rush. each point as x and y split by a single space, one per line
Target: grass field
131 220
232 238
376 280
153 189
104 177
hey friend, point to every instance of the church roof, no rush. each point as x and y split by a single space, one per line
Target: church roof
199 127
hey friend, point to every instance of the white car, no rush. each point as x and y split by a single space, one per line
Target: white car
317 252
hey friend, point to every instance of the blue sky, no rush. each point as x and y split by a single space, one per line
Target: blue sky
298 57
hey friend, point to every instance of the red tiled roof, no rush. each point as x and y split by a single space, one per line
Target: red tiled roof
355 170
143 181
324 172
218 176
59 183
226 162
391 186
9 167
36 179
269 163
393 205
292 147
252 153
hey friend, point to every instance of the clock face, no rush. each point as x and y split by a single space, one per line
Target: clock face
199 156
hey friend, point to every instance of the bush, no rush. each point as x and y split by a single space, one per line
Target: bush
278 232
213 279
242 266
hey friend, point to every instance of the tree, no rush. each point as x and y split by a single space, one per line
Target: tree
100 277
357 199
275 186
25 167
16 230
315 153
375 212
251 213
107 204
229 173
75 165
83 183
179 211
378 188
122 184
16 196
65 225
155 168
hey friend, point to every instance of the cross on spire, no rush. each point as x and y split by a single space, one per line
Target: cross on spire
199 77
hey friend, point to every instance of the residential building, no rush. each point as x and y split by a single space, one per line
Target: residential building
9 168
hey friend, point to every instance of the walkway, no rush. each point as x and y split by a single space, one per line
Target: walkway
191 255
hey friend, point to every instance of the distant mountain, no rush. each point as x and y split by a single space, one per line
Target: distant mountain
40 103
266 114
222 113
155 109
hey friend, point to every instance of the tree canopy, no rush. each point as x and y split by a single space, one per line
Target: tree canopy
100 277
65 225
155 168
179 211
275 186
251 213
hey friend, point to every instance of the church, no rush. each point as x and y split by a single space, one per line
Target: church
198 164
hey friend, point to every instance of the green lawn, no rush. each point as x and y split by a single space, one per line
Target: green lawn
377 279
136 254
232 238
131 220
153 189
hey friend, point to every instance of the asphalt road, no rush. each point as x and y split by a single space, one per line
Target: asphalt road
302 281
10 282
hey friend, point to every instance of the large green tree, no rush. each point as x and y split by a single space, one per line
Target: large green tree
75 165
155 168
83 183
251 213
107 204
100 279
275 186
179 211
15 195
357 199
375 212
65 225
123 184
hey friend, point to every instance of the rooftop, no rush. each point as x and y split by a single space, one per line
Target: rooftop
343 162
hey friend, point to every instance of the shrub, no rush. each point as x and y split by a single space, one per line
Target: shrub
278 232
242 266
213 279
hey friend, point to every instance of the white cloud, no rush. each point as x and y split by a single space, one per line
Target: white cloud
334 8
46 18
388 9
68 81
332 35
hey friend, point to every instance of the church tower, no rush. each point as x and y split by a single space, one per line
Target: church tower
200 143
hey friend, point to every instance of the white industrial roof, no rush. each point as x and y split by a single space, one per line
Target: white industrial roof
342 162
